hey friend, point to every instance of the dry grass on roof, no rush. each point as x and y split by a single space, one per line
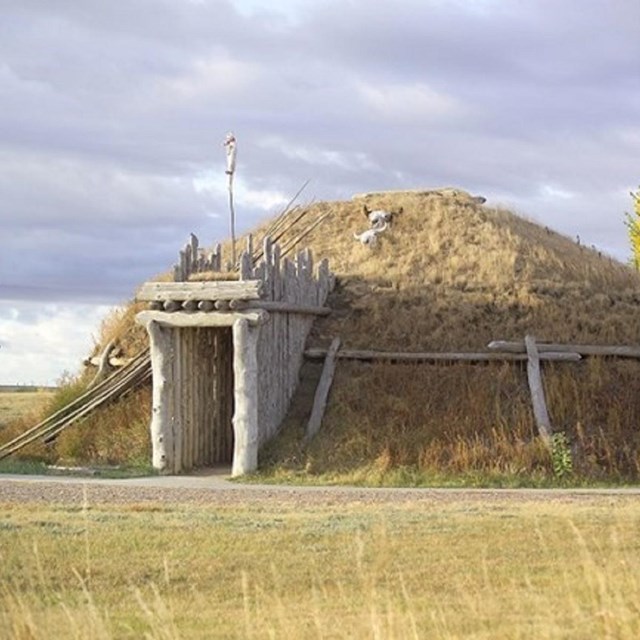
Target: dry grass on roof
450 274
453 274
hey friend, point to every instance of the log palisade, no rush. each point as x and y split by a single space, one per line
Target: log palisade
226 353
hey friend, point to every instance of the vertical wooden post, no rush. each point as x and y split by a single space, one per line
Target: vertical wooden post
245 418
537 391
233 222
162 440
231 150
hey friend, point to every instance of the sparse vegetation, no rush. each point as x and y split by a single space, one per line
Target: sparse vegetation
561 456
633 227
441 569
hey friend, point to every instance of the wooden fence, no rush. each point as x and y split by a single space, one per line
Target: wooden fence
528 351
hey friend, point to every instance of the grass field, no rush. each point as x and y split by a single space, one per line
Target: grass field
431 569
17 404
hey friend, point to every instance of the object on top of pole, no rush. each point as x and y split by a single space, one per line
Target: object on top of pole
230 145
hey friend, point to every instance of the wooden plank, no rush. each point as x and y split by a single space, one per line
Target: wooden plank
201 290
582 349
225 395
205 417
204 358
393 356
176 408
537 391
291 245
202 318
280 307
322 391
246 268
113 361
215 276
278 234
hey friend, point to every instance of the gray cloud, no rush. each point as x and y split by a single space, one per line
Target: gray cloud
112 113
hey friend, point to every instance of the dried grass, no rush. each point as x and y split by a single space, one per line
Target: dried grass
467 568
453 275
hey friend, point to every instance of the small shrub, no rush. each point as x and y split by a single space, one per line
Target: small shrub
561 456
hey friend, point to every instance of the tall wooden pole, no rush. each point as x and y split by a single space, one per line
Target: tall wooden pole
232 213
230 145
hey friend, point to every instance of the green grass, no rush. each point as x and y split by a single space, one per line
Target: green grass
25 466
371 475
22 466
437 568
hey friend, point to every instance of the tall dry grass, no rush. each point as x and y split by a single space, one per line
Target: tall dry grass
463 423
448 275
442 569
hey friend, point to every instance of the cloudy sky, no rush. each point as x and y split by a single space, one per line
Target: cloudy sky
112 116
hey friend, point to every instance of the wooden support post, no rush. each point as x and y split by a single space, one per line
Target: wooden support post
537 391
162 441
322 391
245 418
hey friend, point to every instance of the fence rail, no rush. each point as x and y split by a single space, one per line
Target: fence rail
528 351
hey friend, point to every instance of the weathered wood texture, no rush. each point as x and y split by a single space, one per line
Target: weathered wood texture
193 396
582 349
289 229
294 292
103 364
202 290
279 307
322 391
114 361
245 418
136 373
537 391
202 318
400 357
250 375
194 260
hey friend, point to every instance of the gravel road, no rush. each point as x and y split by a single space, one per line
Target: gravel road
214 488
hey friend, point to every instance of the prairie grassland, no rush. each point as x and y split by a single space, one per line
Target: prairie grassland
442 569
19 404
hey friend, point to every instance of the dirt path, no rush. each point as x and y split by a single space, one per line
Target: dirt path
213 487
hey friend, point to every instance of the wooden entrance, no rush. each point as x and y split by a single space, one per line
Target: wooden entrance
205 406
225 355
194 396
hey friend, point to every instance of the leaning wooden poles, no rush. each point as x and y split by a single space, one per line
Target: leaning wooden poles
540 412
